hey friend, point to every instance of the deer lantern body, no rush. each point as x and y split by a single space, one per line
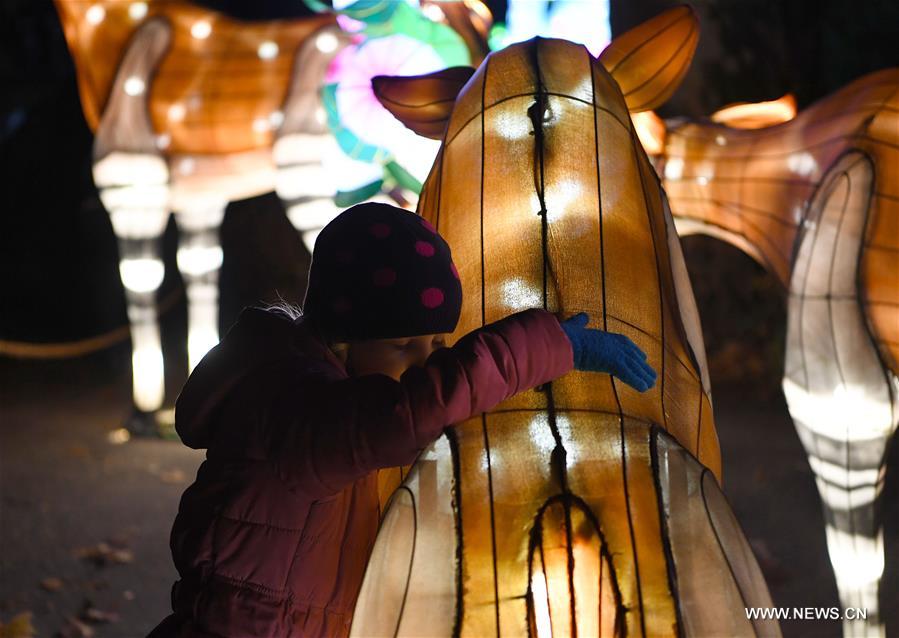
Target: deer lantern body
583 507
187 105
815 199
192 109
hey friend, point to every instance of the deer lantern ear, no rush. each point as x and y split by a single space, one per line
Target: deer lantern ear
422 102
650 60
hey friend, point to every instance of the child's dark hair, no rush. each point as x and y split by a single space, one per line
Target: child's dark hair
285 308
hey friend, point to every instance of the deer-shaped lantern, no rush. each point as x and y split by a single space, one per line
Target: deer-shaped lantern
191 110
814 198
186 105
584 507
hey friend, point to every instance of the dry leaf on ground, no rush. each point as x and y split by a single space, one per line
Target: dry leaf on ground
75 629
52 583
18 627
103 554
91 614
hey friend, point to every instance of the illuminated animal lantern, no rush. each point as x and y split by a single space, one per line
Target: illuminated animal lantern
815 199
582 507
192 109
186 105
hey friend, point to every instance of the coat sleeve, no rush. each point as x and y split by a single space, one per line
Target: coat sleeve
324 435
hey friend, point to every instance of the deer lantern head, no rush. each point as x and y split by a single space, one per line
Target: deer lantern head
576 507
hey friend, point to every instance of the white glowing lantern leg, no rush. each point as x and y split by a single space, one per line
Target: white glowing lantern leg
133 180
837 390
146 361
199 261
138 212
202 324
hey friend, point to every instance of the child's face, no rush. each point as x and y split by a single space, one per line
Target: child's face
390 356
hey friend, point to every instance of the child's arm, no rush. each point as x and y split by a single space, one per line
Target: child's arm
329 434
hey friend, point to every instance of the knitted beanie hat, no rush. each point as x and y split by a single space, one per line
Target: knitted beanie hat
381 272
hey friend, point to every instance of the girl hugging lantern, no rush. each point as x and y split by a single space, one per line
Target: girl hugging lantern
299 412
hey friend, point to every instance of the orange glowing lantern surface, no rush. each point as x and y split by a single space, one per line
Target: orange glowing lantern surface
583 507
217 76
814 198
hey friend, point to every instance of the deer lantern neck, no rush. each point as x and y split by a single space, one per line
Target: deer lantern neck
815 200
540 180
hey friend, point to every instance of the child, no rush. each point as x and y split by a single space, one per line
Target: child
298 413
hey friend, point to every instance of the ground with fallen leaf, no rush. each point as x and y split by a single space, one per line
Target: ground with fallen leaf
85 517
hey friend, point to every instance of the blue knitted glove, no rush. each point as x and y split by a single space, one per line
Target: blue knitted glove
600 351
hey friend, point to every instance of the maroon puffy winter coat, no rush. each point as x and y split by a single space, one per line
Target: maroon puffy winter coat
273 538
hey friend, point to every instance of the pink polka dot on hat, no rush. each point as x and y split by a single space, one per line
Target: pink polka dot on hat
431 297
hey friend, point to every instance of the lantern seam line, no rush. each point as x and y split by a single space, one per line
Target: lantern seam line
399 619
844 175
714 527
452 440
492 518
826 183
620 415
882 357
740 155
537 112
742 208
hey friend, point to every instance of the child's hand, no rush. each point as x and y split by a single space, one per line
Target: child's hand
600 351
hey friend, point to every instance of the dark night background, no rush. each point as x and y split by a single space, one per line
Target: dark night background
59 278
